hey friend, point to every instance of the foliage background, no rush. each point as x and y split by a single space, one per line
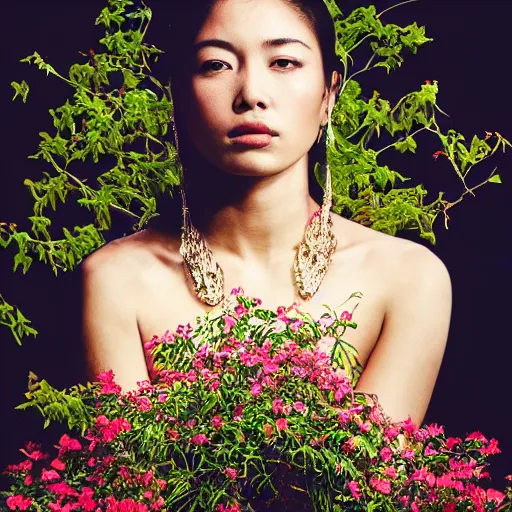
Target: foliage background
469 59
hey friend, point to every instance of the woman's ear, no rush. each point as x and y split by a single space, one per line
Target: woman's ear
330 97
335 89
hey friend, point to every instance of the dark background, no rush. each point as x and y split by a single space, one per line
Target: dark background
470 58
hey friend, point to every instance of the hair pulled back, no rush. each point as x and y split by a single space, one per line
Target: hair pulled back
186 18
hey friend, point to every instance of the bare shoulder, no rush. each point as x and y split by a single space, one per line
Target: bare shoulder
395 259
128 258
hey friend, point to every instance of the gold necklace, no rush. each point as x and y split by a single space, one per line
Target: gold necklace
312 258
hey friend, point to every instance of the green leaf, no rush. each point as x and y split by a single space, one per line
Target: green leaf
494 179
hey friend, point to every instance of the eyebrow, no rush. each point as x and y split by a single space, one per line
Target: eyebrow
268 43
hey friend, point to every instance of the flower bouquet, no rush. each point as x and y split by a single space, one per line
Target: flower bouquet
246 414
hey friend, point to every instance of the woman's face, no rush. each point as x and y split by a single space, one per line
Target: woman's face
242 79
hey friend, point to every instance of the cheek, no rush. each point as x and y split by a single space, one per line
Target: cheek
304 101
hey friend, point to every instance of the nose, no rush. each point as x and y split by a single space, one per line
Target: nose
251 90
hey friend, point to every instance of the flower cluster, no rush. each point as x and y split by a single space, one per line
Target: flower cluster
247 414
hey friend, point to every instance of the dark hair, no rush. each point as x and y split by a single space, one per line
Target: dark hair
187 17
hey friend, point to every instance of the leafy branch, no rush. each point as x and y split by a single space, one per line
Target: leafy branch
118 104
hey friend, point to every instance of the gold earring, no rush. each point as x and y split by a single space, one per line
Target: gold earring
314 253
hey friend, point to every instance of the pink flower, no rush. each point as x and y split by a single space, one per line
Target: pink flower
67 443
238 411
58 464
386 453
287 409
269 367
365 426
281 424
144 404
451 442
18 502
476 436
408 453
435 429
346 316
49 474
391 472
256 389
231 473
429 450
296 325
62 489
199 439
85 499
229 322
299 407
277 405
326 322
492 449
217 422
354 489
494 495
382 486
162 397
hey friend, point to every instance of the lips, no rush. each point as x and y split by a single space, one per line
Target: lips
251 128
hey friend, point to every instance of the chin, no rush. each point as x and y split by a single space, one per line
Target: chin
257 165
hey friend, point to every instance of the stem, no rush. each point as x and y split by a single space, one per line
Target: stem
391 145
393 6
365 68
88 189
359 42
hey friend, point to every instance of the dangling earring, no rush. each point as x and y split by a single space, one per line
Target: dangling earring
206 275
314 253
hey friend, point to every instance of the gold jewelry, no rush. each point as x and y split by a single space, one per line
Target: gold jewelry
312 259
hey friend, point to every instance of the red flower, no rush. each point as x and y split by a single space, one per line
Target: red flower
437 153
58 464
231 473
199 439
49 474
18 502
217 422
281 424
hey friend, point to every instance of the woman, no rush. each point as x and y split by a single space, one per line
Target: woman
268 62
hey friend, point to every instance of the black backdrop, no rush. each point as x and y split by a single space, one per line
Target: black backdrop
470 57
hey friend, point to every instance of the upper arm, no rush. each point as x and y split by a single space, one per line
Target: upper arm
109 319
403 367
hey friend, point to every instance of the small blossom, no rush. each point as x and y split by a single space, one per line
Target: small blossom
354 489
299 406
229 322
18 502
256 389
277 406
199 439
281 424
216 422
231 473
382 486
386 453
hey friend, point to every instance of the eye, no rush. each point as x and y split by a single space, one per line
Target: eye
208 65
296 63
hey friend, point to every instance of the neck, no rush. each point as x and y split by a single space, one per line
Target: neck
257 221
